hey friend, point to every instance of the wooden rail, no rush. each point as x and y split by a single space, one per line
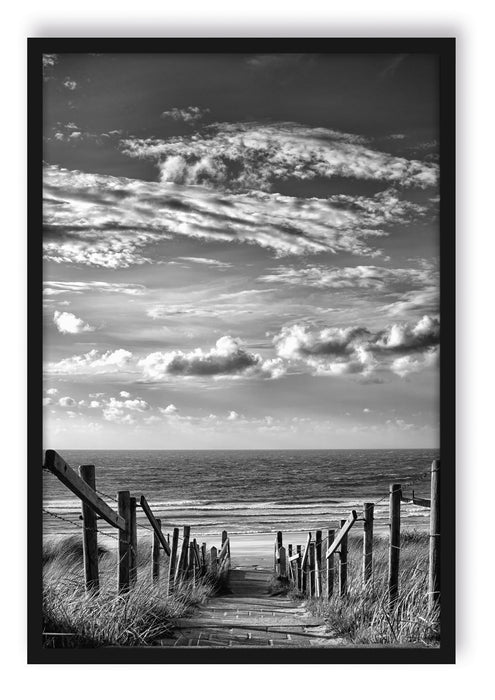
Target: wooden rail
192 563
58 466
305 572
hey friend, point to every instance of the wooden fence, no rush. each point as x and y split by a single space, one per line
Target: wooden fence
186 562
316 570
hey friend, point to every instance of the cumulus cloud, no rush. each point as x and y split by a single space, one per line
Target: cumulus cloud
68 323
401 348
70 84
49 60
244 156
66 402
169 410
92 362
123 412
190 115
125 394
52 392
227 358
107 221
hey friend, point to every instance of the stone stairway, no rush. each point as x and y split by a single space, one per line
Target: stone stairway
248 616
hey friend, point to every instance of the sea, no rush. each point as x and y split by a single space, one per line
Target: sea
246 492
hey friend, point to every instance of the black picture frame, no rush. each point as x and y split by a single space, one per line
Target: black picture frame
444 48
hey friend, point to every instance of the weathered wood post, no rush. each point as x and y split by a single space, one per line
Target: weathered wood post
203 558
305 564
298 568
213 561
330 564
368 542
343 563
155 555
290 564
434 554
133 542
172 564
283 562
312 577
192 562
278 544
183 561
124 506
394 548
318 552
90 534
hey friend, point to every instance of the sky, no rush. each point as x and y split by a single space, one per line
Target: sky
240 251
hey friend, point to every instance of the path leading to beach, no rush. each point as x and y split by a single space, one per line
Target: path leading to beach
248 616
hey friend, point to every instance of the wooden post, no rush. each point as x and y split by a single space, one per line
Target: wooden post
283 562
318 546
434 563
124 501
394 549
312 578
299 572
330 565
90 534
192 562
213 561
133 543
278 544
155 556
183 561
290 564
368 542
203 558
172 564
343 563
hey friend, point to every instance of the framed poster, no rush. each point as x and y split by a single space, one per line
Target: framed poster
240 251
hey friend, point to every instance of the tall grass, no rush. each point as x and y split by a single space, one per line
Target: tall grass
363 616
74 618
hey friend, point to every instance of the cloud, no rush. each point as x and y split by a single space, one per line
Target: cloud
51 288
233 415
49 60
66 402
122 412
170 410
70 84
206 261
227 358
47 401
125 394
93 362
361 277
245 156
109 222
190 115
401 348
52 392
68 323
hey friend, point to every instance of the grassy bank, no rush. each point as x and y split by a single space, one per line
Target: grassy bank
364 617
73 618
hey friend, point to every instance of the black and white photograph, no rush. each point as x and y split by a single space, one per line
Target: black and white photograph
247 426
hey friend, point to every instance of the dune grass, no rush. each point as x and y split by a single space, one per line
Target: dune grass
363 616
74 618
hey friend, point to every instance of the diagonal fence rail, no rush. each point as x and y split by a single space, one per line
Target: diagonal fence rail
191 563
303 568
